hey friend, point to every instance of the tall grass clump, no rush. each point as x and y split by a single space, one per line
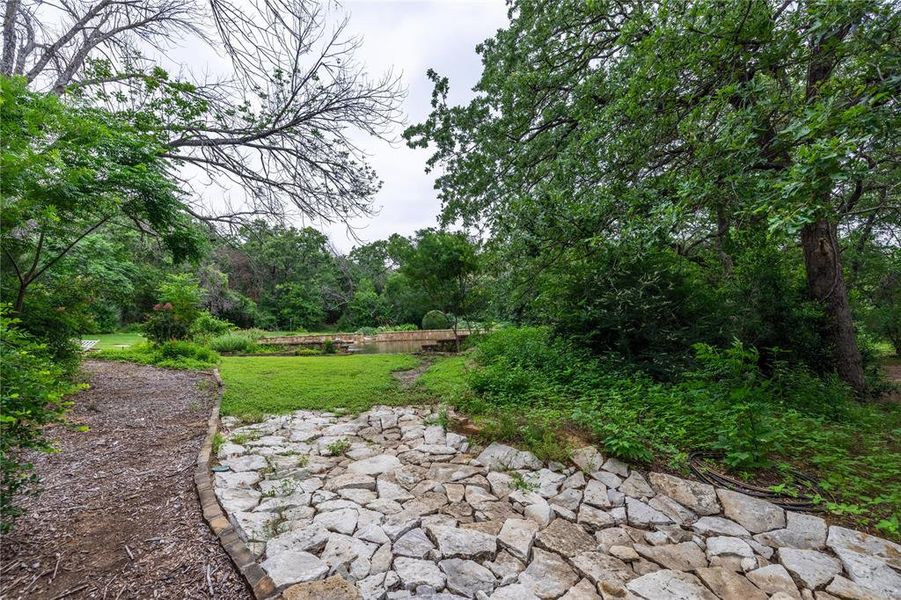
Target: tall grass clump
233 343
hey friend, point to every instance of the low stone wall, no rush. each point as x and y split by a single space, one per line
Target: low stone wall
258 581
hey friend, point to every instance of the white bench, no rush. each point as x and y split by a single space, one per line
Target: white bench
87 344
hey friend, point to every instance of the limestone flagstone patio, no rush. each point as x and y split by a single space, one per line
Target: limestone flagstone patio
407 510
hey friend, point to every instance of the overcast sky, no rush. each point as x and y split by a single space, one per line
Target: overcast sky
408 37
412 36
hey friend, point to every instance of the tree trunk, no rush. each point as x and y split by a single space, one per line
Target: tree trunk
19 306
826 285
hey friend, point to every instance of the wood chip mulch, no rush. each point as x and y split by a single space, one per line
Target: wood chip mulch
118 516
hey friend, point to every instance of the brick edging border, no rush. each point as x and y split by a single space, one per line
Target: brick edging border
260 584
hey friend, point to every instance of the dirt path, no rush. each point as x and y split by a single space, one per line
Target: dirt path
119 515
408 378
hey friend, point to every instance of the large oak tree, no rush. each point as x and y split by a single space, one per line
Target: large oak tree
688 122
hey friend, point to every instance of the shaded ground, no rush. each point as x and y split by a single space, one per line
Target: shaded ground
119 515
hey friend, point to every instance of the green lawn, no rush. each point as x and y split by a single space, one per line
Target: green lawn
445 379
113 341
258 385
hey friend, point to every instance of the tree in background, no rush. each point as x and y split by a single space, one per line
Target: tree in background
443 265
694 126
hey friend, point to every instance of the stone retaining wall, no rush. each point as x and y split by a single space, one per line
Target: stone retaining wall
387 505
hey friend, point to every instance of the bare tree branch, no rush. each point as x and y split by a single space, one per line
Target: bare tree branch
280 128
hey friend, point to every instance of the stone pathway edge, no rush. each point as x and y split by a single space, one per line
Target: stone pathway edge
260 584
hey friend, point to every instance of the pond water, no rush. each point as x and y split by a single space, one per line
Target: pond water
392 347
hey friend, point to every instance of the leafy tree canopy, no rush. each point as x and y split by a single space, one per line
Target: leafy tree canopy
680 124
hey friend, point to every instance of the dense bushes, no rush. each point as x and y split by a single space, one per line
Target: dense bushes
174 354
233 343
727 404
31 397
179 306
207 325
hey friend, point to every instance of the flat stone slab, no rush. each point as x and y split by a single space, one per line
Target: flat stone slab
548 575
753 514
293 567
669 585
698 497
499 457
333 588
410 512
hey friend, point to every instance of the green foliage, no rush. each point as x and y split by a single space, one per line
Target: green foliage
31 398
277 384
218 440
877 291
446 379
55 315
233 343
366 309
435 319
338 447
174 316
529 378
297 305
442 264
172 354
625 161
207 325
67 171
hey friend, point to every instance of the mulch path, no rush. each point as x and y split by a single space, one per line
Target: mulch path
119 516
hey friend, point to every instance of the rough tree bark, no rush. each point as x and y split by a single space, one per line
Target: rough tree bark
826 285
822 255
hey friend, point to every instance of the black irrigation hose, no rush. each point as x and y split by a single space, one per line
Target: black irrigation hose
802 502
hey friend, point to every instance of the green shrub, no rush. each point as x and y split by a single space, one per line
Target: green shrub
31 397
435 319
328 347
208 325
164 325
527 379
307 352
233 343
174 316
174 354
